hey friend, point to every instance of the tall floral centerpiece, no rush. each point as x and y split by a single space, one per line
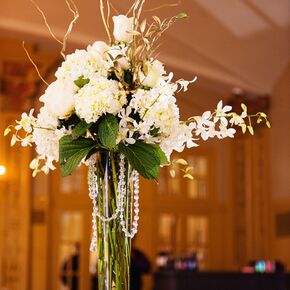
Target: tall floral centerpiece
113 108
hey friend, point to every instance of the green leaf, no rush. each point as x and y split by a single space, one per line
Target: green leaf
128 77
154 131
154 172
71 152
73 120
80 129
145 158
162 157
108 130
81 82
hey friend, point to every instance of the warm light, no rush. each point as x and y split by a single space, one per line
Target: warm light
2 169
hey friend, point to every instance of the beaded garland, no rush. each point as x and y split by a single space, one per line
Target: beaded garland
119 212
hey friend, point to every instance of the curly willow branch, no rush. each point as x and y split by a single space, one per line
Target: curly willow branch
163 6
72 8
75 12
104 19
140 8
108 13
136 6
33 63
45 21
114 8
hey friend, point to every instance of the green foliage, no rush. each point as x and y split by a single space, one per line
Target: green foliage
162 156
80 129
128 78
108 131
145 158
71 121
71 152
81 82
154 131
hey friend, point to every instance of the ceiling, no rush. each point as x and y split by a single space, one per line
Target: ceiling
226 43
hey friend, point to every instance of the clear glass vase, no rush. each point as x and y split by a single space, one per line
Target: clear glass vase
112 245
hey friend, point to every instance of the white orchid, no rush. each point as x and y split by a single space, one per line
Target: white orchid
125 135
184 84
221 113
238 119
27 141
27 121
125 118
204 119
225 132
188 135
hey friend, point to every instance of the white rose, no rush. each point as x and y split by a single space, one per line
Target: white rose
99 46
59 98
122 28
152 75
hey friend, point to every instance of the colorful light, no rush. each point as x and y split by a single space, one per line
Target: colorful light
2 170
260 266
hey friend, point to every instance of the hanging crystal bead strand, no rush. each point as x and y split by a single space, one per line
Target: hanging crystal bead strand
131 233
93 193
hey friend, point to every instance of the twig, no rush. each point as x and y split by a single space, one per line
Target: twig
45 21
114 8
108 14
163 6
76 15
33 63
72 8
104 20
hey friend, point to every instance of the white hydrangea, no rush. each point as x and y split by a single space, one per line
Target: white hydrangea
163 114
157 108
46 136
141 101
98 97
173 141
83 63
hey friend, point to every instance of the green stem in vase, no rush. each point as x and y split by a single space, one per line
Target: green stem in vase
113 244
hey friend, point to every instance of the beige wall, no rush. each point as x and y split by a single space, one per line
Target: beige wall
194 102
280 162
280 136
